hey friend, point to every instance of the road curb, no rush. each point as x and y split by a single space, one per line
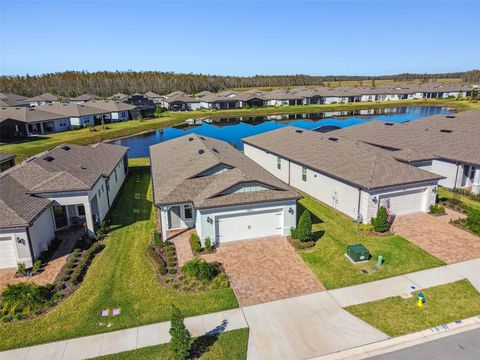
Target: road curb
401 342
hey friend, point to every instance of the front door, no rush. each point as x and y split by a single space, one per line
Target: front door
174 217
60 213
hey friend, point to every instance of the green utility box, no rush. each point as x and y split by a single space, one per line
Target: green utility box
358 253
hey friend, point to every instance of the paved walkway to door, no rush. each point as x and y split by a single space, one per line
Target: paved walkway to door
435 235
265 269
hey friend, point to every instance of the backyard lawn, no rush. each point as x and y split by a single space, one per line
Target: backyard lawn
334 270
230 345
444 193
396 316
120 277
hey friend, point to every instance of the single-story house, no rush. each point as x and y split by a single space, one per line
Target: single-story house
115 111
143 104
9 99
447 145
69 185
45 98
350 176
6 161
206 184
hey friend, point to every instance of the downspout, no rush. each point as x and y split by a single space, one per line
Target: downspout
30 245
456 177
108 189
358 204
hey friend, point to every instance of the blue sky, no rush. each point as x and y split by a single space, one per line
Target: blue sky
240 37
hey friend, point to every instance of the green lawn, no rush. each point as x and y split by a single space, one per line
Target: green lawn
231 345
120 276
396 316
444 193
327 258
85 136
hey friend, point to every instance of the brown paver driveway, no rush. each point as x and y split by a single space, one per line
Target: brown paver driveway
265 269
438 237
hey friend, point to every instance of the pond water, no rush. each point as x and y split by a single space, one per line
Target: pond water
232 130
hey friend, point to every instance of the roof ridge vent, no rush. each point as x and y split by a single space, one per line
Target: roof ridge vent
448 131
49 158
388 124
333 139
299 131
201 151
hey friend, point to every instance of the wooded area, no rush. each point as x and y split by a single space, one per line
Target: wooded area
106 83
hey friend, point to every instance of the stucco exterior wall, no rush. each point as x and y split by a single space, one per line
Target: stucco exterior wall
42 232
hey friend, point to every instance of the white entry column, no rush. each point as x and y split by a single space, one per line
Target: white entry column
476 181
164 221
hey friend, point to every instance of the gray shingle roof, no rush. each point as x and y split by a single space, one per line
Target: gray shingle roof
72 168
177 164
452 137
86 97
350 161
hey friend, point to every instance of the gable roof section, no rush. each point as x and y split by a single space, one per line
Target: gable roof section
349 161
85 97
450 137
75 169
177 164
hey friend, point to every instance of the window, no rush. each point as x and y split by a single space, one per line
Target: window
279 163
304 173
81 210
188 211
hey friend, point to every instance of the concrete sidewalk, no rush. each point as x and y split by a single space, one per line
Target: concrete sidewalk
128 339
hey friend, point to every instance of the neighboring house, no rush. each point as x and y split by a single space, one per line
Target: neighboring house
143 104
45 98
6 161
69 185
118 111
118 97
350 176
448 145
207 184
157 99
84 98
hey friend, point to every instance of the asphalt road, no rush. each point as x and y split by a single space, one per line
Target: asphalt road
464 346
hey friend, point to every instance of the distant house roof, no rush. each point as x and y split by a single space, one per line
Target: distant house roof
28 115
86 97
152 95
110 105
177 167
66 168
347 160
450 137
9 99
48 97
118 97
71 110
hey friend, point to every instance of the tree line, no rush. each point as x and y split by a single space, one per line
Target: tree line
106 83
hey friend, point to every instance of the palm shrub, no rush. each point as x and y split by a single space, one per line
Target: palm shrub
473 221
37 265
380 223
208 244
22 269
304 229
23 298
195 242
180 342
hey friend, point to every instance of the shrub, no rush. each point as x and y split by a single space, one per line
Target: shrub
293 233
23 298
79 272
208 244
157 240
380 223
365 227
304 229
473 221
196 244
437 209
180 342
36 266
200 269
22 269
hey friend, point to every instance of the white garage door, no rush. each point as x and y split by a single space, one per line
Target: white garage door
8 257
248 225
406 203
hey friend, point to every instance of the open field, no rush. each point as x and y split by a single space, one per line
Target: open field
396 316
231 345
119 277
85 136
327 258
